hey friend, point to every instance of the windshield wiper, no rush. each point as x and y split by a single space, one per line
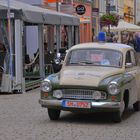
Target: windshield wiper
86 62
74 63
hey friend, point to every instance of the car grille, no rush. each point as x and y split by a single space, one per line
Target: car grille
80 94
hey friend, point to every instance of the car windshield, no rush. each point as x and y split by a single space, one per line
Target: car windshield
98 57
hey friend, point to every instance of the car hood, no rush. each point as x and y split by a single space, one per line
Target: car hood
86 76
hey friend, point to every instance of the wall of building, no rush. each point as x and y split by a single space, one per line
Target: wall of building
129 11
137 12
33 2
85 19
95 19
120 7
134 10
85 22
102 7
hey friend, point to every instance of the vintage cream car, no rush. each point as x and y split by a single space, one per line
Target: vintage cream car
94 77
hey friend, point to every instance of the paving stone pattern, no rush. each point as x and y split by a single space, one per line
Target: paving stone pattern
22 118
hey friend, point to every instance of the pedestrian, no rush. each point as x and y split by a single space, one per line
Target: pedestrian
2 54
110 38
115 39
137 41
131 41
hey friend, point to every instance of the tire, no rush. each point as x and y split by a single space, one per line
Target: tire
117 117
53 114
136 106
17 92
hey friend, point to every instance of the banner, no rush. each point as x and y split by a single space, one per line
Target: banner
51 1
67 8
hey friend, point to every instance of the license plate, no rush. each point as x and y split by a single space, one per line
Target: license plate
76 104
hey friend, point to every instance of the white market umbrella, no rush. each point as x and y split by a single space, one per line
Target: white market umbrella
124 26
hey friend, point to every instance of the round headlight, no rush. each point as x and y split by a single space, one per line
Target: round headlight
97 95
113 88
46 86
58 94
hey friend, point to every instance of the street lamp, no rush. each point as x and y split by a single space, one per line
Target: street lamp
57 6
108 11
10 41
107 6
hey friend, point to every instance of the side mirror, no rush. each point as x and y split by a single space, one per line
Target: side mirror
62 62
58 55
129 65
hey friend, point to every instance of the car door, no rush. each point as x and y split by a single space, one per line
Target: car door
134 69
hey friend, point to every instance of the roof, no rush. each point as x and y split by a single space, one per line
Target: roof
112 46
35 14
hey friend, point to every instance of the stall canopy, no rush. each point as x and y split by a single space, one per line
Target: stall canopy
34 14
125 26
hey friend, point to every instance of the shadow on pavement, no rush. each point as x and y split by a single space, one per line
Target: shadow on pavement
96 118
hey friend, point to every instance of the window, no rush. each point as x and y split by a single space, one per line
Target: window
133 58
130 58
67 1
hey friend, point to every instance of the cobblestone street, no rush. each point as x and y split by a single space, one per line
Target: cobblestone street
22 118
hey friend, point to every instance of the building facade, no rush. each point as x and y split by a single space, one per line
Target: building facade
29 58
69 7
85 22
129 11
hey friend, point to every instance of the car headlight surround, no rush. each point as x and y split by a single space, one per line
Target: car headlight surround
97 95
57 94
46 86
113 88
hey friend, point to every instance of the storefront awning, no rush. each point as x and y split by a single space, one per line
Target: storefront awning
37 15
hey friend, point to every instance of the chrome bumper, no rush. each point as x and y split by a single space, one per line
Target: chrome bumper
58 104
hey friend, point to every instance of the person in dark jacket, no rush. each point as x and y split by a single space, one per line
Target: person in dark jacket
2 54
131 41
137 40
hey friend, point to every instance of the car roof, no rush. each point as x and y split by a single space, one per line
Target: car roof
102 45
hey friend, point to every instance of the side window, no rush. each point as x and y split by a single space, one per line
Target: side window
133 58
130 58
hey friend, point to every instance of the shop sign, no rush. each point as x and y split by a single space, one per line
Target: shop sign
66 8
50 1
111 8
80 9
95 11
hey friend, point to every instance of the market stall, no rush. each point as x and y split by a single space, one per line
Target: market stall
123 26
14 75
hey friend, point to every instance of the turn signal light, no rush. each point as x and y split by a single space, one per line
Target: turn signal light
113 98
45 94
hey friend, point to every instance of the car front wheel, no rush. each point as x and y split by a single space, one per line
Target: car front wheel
53 114
117 116
136 106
